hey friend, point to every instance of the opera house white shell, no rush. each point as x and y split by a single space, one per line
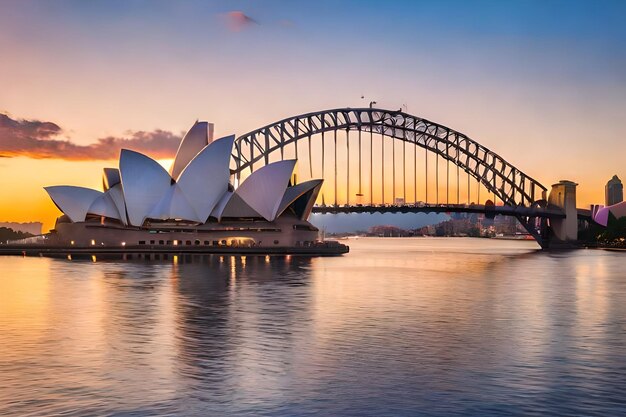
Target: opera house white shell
194 203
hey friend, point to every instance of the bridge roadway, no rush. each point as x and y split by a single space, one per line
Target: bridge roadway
444 208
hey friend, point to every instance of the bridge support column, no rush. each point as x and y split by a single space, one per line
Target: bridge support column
563 233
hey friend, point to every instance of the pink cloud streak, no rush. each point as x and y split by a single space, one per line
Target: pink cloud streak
237 21
39 140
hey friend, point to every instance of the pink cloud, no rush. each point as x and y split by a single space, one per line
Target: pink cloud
39 140
238 21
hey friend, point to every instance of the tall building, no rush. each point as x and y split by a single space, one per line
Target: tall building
614 191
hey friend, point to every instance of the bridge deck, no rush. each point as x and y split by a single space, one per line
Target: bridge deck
443 208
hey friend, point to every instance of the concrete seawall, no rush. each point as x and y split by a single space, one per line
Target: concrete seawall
322 249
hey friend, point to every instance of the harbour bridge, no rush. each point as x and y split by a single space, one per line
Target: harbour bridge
377 160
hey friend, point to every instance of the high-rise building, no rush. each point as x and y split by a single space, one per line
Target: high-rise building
614 191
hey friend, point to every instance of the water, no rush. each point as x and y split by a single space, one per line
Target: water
397 327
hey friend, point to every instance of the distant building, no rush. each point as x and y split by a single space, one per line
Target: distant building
614 191
388 231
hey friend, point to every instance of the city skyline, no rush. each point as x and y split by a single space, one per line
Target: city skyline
546 93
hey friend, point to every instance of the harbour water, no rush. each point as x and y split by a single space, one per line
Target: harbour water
424 326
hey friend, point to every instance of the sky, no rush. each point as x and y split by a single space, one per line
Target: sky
542 83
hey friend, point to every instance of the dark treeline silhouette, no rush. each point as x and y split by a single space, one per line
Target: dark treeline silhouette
10 234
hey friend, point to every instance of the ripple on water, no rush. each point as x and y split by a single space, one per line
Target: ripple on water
396 327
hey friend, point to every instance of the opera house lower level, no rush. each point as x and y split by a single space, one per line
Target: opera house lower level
285 232
193 208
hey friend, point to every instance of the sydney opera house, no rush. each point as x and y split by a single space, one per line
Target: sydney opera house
194 205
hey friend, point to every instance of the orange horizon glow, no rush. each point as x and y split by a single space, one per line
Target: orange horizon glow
30 202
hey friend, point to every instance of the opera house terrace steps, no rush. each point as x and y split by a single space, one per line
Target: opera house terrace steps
193 208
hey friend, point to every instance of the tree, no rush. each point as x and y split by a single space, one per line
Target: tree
615 231
10 234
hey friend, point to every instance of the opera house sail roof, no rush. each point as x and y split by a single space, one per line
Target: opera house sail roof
195 190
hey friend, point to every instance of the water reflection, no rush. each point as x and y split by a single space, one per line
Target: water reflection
397 327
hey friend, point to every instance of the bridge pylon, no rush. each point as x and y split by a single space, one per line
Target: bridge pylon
563 232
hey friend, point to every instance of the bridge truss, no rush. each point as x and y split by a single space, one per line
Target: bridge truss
380 148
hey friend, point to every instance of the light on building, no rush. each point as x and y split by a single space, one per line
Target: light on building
93 242
71 242
123 243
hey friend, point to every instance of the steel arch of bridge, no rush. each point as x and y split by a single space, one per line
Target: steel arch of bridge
509 184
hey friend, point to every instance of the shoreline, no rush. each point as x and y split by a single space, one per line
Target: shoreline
333 249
